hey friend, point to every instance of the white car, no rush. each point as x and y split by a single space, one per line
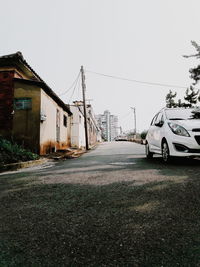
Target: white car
174 132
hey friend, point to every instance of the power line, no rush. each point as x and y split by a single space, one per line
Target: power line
126 115
65 92
76 82
125 118
79 89
136 81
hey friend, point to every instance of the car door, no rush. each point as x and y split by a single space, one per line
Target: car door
151 134
158 128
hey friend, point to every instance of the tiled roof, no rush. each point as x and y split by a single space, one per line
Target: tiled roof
18 58
15 55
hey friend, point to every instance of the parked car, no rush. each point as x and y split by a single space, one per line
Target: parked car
121 138
174 132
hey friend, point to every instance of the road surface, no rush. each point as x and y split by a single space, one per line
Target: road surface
112 162
110 207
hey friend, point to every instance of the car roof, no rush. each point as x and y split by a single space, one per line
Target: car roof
177 108
183 109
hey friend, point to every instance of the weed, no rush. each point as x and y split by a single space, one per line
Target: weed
11 152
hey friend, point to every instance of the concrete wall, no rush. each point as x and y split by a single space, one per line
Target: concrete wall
93 129
77 128
53 120
26 123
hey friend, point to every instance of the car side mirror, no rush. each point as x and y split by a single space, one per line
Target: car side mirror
159 124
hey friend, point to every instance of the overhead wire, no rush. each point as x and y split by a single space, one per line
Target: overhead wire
65 92
79 87
126 115
125 118
75 86
136 81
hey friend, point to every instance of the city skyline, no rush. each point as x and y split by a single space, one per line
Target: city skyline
108 123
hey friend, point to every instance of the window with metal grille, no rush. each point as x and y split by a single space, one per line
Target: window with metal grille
23 103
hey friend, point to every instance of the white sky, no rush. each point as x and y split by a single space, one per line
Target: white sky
136 39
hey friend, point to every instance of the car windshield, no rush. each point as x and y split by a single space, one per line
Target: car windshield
182 114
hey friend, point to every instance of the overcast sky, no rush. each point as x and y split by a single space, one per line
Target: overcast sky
135 39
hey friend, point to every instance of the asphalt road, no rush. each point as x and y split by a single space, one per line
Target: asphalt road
109 207
113 162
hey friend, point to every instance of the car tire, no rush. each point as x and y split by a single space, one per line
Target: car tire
149 154
165 152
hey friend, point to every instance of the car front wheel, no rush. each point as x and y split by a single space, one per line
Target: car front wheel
165 152
149 155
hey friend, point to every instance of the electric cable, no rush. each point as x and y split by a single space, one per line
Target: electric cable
136 81
126 115
74 88
125 118
65 92
79 88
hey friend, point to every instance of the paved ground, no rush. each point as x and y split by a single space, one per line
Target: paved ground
110 207
113 162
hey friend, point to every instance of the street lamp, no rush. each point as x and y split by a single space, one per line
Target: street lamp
134 113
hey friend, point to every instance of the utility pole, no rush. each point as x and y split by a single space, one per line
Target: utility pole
84 108
134 112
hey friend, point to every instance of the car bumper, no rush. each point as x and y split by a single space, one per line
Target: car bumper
184 147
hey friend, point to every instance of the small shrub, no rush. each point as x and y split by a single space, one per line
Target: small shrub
143 135
11 152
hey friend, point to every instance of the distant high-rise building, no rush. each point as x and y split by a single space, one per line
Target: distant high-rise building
109 125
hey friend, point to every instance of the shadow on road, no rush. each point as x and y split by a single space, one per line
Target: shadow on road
121 223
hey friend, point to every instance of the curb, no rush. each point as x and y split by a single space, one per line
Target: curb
94 146
20 165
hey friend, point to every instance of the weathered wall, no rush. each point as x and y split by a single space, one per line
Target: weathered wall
92 127
48 138
6 102
26 123
77 128
92 133
17 73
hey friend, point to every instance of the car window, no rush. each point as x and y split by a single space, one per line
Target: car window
153 120
159 118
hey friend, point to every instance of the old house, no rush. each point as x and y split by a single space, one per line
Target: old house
93 128
78 127
30 112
